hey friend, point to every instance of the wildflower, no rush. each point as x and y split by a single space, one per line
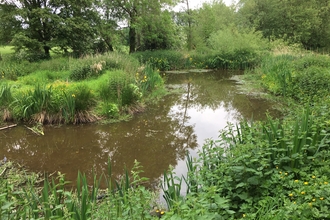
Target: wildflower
313 200
296 181
276 167
321 198
302 193
310 204
313 177
244 215
290 194
305 183
325 183
294 202
280 172
286 174
73 95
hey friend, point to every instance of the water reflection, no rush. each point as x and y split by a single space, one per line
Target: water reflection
157 138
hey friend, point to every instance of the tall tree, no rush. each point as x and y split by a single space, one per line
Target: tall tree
133 11
44 24
210 19
296 21
8 23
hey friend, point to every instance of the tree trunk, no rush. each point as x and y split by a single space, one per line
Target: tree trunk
132 39
47 51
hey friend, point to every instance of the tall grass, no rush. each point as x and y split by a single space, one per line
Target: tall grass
127 199
6 96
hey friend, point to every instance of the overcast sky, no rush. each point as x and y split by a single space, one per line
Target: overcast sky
197 3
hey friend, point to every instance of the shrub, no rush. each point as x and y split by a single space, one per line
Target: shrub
235 50
312 83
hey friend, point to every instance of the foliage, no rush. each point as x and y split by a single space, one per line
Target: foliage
148 80
127 199
32 102
234 49
109 88
6 96
257 171
49 24
208 20
138 14
302 22
304 78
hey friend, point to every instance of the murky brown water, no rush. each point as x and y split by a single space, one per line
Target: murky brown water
157 138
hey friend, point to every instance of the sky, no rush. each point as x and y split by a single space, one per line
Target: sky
198 3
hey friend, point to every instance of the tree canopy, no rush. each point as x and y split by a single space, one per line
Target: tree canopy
90 26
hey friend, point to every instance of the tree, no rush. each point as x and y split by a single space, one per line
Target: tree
210 19
8 23
39 25
157 32
297 21
133 12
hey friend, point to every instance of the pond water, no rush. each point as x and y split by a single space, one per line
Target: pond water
157 138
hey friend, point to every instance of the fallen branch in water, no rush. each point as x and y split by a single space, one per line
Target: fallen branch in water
3 172
35 130
8 126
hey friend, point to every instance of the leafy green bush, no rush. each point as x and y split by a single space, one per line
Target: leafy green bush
253 162
303 78
235 50
312 83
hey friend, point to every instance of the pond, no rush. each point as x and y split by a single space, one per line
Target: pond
202 104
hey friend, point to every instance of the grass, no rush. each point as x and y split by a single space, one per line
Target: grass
6 50
80 90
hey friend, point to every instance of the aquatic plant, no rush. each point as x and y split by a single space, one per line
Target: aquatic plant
6 96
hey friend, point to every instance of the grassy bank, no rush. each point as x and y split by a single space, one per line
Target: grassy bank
66 90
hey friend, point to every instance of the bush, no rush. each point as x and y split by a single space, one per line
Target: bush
303 78
235 50
312 83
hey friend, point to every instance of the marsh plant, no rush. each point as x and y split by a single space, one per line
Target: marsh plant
304 78
125 197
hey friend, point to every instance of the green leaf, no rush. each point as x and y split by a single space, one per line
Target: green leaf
254 180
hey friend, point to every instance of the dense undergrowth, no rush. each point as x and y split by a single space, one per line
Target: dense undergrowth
275 169
66 90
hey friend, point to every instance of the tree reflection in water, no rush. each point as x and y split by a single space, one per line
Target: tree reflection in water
157 138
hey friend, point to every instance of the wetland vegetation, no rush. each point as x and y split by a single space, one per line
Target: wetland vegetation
272 169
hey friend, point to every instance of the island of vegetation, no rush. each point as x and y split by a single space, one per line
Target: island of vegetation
68 63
